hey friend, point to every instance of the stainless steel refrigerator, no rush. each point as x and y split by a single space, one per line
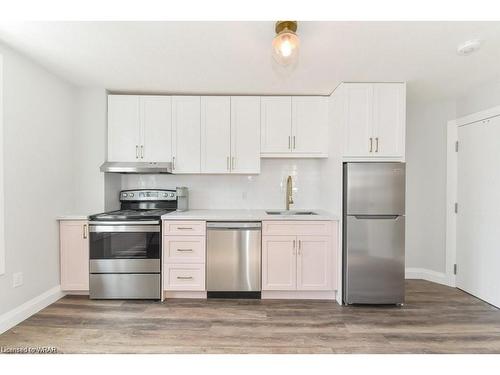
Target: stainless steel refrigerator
373 233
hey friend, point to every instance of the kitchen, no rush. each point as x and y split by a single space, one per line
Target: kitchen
195 215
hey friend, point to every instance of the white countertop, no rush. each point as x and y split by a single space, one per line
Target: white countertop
245 215
72 217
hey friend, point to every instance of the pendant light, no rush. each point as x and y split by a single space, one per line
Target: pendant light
286 42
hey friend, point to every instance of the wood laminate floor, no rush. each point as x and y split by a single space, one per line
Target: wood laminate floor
435 319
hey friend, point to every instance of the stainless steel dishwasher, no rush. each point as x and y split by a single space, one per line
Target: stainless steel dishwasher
233 259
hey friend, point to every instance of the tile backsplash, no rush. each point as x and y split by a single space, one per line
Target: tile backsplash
266 190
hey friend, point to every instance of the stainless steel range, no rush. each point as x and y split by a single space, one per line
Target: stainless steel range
125 246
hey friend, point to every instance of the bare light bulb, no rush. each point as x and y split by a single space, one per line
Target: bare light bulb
285 47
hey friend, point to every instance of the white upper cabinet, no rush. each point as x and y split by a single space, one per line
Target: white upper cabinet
294 126
124 128
156 114
310 125
374 121
358 109
245 134
389 119
186 134
276 124
139 128
215 134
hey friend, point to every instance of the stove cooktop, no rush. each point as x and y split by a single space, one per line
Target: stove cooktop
134 215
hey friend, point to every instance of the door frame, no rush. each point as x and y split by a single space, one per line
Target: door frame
452 185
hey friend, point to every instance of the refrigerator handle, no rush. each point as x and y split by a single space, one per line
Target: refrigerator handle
377 217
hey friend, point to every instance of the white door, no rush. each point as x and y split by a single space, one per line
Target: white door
186 134
478 220
279 263
245 134
215 134
276 124
309 124
358 125
389 118
315 268
156 128
124 135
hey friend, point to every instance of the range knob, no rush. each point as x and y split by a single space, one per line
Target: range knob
165 194
125 195
172 195
131 195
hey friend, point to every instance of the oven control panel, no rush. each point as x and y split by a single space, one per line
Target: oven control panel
148 195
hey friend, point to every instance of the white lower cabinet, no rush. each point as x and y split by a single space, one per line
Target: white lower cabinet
74 255
299 261
184 252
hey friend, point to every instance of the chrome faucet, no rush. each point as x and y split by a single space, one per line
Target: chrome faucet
289 197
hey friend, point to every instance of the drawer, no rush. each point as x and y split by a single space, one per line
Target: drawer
297 228
184 249
184 277
184 228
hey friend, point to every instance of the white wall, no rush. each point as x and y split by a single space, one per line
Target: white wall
426 183
478 99
266 190
38 166
90 148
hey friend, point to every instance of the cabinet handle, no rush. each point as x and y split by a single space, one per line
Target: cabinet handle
184 228
376 144
371 144
85 231
294 142
184 277
142 151
185 250
227 163
233 162
136 151
293 247
289 142
300 245
173 163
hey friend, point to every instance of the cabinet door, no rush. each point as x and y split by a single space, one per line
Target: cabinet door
310 124
358 119
186 134
279 263
156 128
74 256
276 124
215 134
123 128
315 269
245 134
389 118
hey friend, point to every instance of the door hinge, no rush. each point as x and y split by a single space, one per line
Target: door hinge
455 269
456 146
456 207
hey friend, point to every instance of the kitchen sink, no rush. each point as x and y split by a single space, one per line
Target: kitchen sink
290 213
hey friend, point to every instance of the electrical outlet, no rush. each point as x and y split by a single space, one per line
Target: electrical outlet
17 279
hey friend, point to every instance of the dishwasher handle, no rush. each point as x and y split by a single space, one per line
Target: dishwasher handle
234 225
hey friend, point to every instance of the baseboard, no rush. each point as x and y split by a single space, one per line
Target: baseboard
294 294
425 274
17 315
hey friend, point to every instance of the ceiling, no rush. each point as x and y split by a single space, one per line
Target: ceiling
235 57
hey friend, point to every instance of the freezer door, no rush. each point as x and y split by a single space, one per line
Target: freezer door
374 188
374 260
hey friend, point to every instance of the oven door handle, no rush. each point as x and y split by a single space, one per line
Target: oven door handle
93 228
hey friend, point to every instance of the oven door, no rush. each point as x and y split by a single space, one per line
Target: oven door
119 241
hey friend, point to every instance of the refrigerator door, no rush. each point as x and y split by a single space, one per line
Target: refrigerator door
374 260
374 188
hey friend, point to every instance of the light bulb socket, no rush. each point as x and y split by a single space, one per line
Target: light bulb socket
285 26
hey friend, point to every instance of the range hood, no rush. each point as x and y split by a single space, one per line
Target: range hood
136 167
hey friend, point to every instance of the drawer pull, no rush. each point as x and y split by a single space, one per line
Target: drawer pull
184 228
184 249
184 277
